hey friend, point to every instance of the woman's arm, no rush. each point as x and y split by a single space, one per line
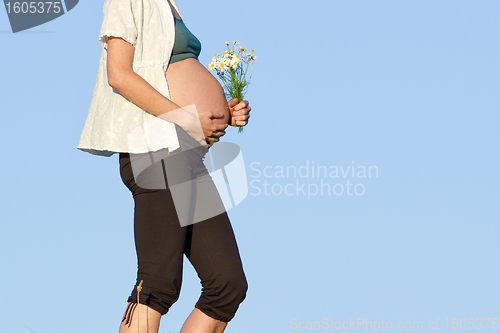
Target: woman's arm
133 87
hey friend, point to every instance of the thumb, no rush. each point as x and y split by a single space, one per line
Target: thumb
233 102
217 114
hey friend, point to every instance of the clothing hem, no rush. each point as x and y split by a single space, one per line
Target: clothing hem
153 305
109 153
212 315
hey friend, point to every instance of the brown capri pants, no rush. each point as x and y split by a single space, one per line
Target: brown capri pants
161 241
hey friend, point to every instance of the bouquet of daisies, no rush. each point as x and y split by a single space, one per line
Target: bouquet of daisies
231 68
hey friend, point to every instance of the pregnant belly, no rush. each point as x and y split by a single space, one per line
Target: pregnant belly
189 82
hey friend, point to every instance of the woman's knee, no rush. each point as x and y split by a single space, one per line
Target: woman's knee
222 296
239 286
232 284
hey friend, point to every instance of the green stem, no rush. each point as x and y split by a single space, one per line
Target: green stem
139 288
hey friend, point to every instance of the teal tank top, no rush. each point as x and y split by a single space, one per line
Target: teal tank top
186 45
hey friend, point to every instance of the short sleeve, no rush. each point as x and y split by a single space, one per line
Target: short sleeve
118 21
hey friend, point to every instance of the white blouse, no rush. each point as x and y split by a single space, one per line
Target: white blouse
113 123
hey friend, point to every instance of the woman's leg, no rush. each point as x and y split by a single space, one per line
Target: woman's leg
160 242
160 266
212 249
141 318
200 322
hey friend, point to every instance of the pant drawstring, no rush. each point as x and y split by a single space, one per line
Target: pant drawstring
128 313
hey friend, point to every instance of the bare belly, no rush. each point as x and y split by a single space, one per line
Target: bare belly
189 82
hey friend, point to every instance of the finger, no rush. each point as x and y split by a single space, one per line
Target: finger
217 133
216 114
211 114
242 111
242 117
211 140
244 103
240 121
232 103
239 115
241 105
220 127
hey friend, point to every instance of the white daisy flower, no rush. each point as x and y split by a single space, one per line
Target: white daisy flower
234 62
223 65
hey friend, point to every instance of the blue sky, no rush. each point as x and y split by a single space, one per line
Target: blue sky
410 88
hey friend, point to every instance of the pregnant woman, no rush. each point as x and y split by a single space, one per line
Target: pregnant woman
148 81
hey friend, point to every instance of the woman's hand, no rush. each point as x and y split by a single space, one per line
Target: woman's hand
211 131
198 124
240 112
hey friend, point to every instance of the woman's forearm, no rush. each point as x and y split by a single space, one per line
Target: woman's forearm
137 90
